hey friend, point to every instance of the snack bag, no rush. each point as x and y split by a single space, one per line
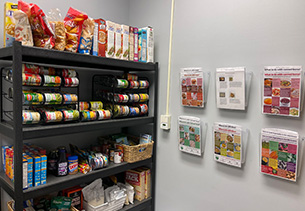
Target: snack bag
73 24
58 26
42 32
9 23
85 42
23 32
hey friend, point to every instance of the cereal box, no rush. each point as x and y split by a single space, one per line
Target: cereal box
3 157
94 50
9 163
150 44
118 42
9 23
131 43
125 42
137 180
30 170
102 37
43 171
36 170
136 44
110 26
25 173
142 45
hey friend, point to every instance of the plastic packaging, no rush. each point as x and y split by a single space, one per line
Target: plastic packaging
130 192
94 193
85 42
23 31
57 23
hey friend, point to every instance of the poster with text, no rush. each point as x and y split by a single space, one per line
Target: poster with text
279 153
230 88
190 135
282 90
192 87
228 144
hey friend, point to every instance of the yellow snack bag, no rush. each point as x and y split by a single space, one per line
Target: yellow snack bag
9 23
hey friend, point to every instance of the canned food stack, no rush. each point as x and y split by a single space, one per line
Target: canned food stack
93 110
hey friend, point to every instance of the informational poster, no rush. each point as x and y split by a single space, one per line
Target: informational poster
228 144
279 153
192 87
282 90
230 88
190 135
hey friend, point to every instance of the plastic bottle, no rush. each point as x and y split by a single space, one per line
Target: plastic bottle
62 163
52 161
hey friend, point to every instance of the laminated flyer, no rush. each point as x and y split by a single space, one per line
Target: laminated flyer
190 135
279 153
282 90
230 88
228 144
192 87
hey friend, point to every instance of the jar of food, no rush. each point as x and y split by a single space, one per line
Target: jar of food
73 164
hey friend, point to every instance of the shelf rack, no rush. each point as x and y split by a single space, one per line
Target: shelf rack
19 54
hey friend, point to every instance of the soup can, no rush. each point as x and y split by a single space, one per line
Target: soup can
87 115
134 84
30 68
131 77
144 97
134 111
70 115
30 117
68 73
32 98
52 98
122 83
118 156
52 116
71 82
104 114
69 98
94 105
143 109
111 154
51 80
144 84
31 79
84 106
47 70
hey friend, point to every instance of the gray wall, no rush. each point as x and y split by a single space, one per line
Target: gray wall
211 34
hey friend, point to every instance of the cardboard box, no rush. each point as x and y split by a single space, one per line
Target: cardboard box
143 45
94 50
118 42
30 170
110 48
77 197
136 44
147 181
3 152
131 43
36 170
137 180
125 42
102 37
150 44
25 173
9 163
9 23
43 171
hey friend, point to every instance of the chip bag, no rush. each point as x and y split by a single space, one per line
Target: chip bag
42 32
73 24
57 23
85 42
23 32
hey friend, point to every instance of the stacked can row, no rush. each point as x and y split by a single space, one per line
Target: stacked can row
125 98
125 84
124 110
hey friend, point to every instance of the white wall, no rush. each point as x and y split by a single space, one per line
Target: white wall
211 34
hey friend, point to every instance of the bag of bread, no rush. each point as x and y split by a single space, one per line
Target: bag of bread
73 24
23 32
43 35
85 41
57 23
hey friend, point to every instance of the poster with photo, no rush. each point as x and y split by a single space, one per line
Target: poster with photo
279 153
282 90
230 88
192 87
190 135
228 144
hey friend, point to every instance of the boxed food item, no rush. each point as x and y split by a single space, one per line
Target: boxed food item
147 181
118 42
143 45
102 37
30 170
150 44
77 197
137 180
4 157
9 23
136 44
131 43
24 173
43 172
110 28
125 42
36 170
9 163
94 50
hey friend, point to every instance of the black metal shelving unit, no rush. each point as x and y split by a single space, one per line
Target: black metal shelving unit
19 54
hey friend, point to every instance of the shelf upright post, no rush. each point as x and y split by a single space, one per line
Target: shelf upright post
17 124
155 129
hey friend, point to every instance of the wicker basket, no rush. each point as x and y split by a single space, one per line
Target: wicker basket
10 206
139 152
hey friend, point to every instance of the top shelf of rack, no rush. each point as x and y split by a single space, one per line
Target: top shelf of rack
46 56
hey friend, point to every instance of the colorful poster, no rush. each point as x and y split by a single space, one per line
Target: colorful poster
228 144
230 88
190 135
282 90
192 87
279 153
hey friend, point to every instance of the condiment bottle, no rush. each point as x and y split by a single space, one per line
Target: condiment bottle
62 163
52 161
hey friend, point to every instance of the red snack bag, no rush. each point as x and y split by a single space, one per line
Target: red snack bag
43 35
73 23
